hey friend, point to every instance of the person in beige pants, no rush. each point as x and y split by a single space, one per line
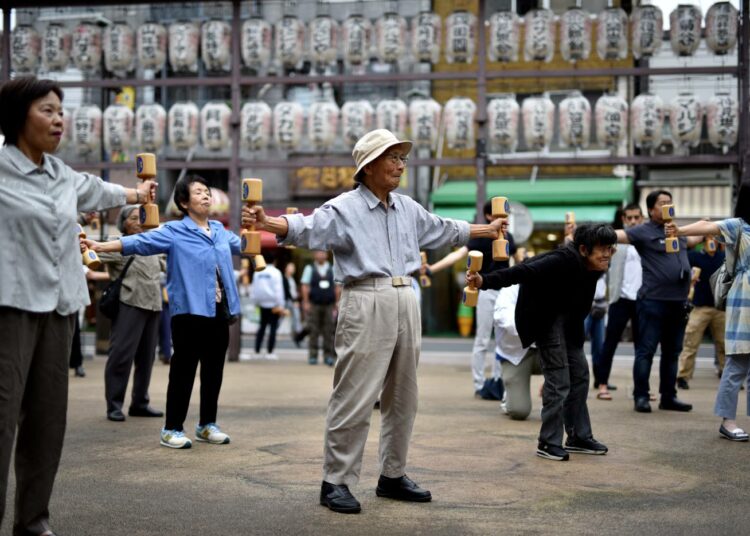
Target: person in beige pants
376 236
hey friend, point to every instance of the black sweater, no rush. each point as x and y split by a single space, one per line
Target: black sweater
554 283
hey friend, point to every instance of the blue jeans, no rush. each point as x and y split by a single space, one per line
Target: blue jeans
618 315
736 371
659 322
594 328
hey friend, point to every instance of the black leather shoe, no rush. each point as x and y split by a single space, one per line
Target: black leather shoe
682 383
401 489
674 404
339 498
148 411
116 415
642 405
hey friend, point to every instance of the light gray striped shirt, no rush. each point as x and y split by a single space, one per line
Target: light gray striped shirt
369 241
40 259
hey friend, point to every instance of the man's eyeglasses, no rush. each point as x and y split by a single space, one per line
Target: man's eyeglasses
396 158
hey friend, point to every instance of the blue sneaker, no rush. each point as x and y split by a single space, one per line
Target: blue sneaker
210 433
175 439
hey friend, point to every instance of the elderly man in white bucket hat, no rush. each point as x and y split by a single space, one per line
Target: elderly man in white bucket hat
376 236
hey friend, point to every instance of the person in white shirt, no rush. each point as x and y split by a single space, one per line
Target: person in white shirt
268 295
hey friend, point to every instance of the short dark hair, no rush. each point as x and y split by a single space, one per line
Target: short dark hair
742 205
594 234
653 196
16 97
634 206
182 190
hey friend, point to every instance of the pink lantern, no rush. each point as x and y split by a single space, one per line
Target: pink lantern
216 45
256 43
646 121
611 113
460 37
460 114
184 39
150 127
686 120
540 35
356 120
685 29
390 37
56 45
575 35
288 124
646 27
721 27
322 124
390 114
425 37
324 39
357 37
505 35
25 46
87 130
575 121
722 120
87 47
502 123
119 48
255 125
612 34
182 125
424 118
118 128
151 44
538 122
215 117
290 40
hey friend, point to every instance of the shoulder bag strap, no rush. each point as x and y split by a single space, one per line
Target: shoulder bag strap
125 270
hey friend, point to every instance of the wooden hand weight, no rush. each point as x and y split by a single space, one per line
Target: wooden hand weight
145 168
90 258
291 210
473 264
252 193
259 263
710 244
570 218
671 243
424 280
500 247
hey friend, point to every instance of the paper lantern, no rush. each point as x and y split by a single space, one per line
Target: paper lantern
685 29
540 35
288 123
646 27
86 50
182 125
505 36
722 120
119 48
575 121
215 117
87 129
323 124
721 27
356 34
612 34
390 114
56 44
25 47
356 120
646 121
184 38
67 135
538 122
460 37
216 45
686 119
424 120
150 127
502 123
426 34
575 35
151 45
256 43
611 115
255 125
324 39
290 41
390 37
118 128
460 114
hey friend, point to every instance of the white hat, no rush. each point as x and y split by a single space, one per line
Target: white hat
372 145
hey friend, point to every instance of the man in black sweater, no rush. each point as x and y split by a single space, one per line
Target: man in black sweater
555 295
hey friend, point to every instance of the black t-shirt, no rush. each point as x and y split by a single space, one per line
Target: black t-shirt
703 296
485 246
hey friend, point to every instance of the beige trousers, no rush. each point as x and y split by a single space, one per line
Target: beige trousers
700 319
378 341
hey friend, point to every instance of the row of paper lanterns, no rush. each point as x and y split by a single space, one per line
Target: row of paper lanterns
284 126
320 42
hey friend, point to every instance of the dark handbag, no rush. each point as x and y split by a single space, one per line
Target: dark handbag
109 303
721 280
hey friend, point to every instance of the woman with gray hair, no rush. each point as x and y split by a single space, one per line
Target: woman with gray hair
135 329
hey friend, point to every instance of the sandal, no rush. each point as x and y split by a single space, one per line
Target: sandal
604 395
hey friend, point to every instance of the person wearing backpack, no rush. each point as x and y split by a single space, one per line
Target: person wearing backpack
735 233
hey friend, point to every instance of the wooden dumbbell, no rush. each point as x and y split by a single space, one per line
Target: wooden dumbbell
145 168
245 267
424 280
291 210
711 244
570 218
252 193
95 223
473 264
500 247
259 263
671 243
89 257
695 273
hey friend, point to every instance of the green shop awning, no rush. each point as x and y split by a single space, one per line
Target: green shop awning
541 214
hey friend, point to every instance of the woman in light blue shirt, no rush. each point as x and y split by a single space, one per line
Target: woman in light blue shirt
203 300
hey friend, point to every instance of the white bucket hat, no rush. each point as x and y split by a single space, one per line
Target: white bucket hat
372 145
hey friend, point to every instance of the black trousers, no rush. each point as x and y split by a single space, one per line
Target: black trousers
76 355
619 313
267 319
196 339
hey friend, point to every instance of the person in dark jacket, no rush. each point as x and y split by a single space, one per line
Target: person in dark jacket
555 295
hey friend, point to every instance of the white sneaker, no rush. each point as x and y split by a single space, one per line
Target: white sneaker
504 406
272 357
175 439
210 433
